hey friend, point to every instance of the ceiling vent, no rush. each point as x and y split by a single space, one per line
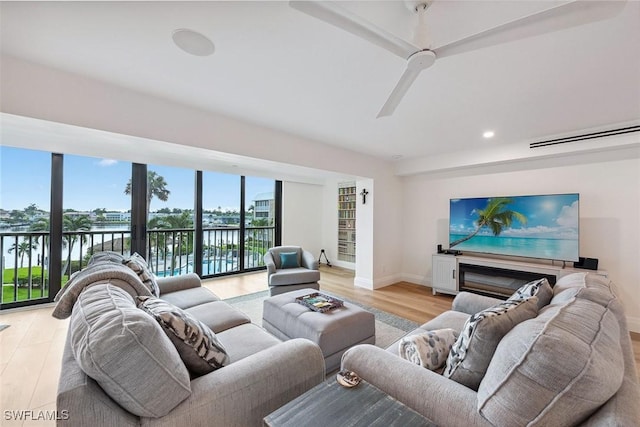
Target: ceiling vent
584 137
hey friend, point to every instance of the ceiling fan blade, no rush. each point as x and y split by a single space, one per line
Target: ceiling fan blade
403 85
344 19
566 15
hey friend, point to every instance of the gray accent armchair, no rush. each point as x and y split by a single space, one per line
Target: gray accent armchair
283 280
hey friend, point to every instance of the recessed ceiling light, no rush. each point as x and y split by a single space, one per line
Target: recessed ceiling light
192 42
488 134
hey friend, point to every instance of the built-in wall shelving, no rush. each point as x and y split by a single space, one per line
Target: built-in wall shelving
347 222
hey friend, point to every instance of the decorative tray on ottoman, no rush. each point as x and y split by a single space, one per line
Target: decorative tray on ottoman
319 302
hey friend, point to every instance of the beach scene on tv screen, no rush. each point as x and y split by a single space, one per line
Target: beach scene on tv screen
541 226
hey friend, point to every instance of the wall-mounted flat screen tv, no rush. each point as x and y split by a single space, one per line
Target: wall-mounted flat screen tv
541 226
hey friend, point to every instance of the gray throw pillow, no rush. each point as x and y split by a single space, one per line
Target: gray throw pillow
139 265
197 344
429 349
539 288
471 354
126 352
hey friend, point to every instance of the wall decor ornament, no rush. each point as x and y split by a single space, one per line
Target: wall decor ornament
364 193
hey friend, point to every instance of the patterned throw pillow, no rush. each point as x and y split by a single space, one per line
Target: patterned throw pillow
138 264
539 288
198 346
471 354
430 349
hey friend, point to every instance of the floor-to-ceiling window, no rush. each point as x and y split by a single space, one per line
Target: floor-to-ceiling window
25 191
96 213
180 220
260 219
170 220
220 222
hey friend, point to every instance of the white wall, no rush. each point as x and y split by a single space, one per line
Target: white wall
302 216
609 215
37 91
365 238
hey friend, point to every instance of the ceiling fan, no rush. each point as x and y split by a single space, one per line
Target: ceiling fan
419 53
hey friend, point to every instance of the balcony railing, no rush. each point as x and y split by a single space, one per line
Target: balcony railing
171 251
22 282
25 255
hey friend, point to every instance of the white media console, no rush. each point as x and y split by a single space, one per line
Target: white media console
490 276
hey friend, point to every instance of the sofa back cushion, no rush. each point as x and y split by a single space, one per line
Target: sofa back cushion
555 369
126 352
97 273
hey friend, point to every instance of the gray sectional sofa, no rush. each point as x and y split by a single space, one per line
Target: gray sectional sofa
571 364
141 379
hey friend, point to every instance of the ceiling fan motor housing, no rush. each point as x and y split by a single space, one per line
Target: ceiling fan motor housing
421 60
415 5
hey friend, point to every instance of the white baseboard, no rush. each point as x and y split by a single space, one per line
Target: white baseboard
416 279
344 264
387 280
633 323
378 283
361 282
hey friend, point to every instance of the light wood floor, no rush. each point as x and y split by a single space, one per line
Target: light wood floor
31 349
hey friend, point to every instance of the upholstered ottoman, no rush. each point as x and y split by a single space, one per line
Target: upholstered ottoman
334 331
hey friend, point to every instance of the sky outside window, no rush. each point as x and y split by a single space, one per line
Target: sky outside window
25 178
94 183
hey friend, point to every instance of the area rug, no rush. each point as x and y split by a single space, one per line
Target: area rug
389 327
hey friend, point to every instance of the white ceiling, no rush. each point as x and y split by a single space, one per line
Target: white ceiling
280 68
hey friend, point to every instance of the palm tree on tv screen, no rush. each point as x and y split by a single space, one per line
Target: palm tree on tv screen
496 216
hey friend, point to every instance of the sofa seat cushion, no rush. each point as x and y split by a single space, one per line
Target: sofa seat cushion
245 340
555 369
293 276
126 352
472 352
191 297
218 315
197 344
